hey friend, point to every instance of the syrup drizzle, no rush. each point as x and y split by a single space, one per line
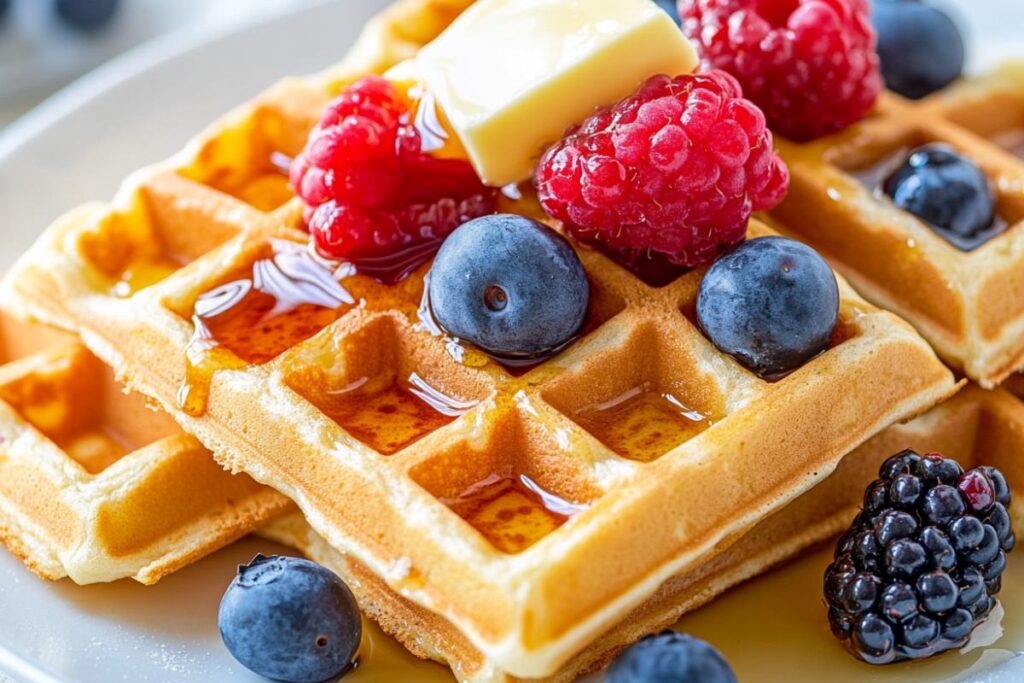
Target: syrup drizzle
286 297
437 137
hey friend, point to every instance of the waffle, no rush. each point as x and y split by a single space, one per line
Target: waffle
95 486
968 304
411 452
976 427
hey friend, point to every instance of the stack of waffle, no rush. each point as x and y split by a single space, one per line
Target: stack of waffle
407 453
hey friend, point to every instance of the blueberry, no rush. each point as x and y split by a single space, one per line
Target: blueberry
670 7
86 15
920 48
290 620
948 192
772 303
670 657
510 285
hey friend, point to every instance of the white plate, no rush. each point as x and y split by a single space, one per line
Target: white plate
77 147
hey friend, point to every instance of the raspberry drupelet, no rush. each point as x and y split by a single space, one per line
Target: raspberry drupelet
811 65
370 190
676 169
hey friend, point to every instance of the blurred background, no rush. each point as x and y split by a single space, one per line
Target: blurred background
91 90
45 44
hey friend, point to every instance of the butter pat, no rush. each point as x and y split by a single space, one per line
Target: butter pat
512 75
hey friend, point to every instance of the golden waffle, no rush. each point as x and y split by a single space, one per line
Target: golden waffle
512 504
976 427
93 484
968 304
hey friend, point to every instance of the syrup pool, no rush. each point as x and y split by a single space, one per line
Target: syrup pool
643 423
389 413
142 274
286 296
512 512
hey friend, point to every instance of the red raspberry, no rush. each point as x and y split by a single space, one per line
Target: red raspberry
811 65
370 190
676 169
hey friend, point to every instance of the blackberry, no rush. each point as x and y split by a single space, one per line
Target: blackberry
919 566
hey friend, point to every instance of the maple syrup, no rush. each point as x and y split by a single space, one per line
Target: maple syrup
643 423
874 175
388 413
437 136
512 512
264 185
382 658
286 296
265 191
142 274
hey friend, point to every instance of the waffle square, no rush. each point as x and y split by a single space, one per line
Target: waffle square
968 304
500 500
976 427
96 486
